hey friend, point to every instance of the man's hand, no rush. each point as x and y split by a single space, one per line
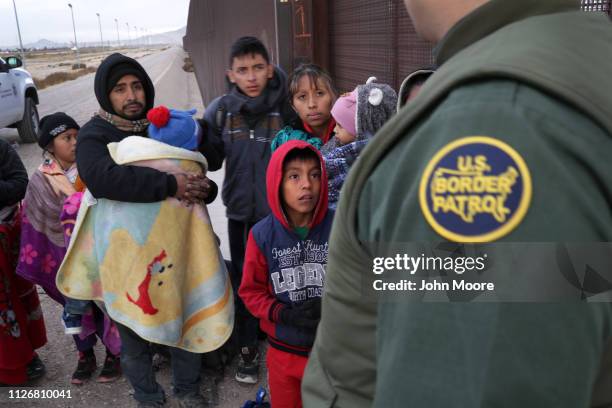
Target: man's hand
192 187
181 186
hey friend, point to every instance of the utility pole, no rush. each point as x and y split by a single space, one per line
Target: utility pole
118 39
100 25
129 38
75 38
19 33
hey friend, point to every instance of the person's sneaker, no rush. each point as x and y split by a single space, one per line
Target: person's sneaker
85 368
111 369
35 368
72 323
248 366
192 401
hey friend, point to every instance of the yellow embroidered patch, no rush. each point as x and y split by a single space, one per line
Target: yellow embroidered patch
475 189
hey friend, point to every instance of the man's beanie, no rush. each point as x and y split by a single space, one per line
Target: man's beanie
119 71
173 127
111 70
53 125
376 104
344 111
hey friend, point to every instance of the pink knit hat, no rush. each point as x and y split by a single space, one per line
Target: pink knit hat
345 110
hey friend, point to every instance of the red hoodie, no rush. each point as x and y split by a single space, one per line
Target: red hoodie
280 269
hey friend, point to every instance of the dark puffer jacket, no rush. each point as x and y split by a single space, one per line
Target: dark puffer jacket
240 130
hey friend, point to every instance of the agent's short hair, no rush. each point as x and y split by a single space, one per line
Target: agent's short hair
248 46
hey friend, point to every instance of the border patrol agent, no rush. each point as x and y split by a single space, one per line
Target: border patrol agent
515 132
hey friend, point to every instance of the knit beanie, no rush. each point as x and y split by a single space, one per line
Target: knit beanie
119 71
344 111
53 125
174 127
111 70
376 104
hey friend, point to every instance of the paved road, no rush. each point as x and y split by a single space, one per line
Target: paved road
174 88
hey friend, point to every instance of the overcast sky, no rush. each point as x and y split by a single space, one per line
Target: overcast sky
50 19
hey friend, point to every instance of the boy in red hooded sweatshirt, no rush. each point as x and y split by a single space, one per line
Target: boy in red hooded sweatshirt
284 268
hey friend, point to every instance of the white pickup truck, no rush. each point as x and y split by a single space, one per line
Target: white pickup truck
18 100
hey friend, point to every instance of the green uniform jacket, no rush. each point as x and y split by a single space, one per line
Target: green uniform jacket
534 77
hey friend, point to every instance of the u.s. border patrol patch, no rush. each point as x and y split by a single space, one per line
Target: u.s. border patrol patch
475 189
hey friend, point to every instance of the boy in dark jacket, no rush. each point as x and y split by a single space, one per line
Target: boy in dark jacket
285 262
240 126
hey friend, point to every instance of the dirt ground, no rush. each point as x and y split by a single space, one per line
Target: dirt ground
60 358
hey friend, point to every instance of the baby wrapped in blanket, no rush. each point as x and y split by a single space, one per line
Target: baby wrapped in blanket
156 266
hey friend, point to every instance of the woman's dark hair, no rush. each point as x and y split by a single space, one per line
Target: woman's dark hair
248 46
315 73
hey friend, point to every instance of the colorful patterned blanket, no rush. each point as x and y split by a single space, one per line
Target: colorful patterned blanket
156 266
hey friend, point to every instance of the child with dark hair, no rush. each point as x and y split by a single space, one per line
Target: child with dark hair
240 127
285 263
312 95
47 208
248 46
359 115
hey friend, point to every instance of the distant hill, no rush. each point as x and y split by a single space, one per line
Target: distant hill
44 43
170 37
38 45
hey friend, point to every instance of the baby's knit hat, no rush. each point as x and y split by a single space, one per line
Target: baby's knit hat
365 110
174 127
376 104
344 111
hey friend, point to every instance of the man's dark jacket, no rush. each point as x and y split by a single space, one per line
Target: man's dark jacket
103 177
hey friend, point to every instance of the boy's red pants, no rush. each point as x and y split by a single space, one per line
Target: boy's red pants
285 372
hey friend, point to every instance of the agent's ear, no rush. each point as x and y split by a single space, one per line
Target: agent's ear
230 76
270 71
